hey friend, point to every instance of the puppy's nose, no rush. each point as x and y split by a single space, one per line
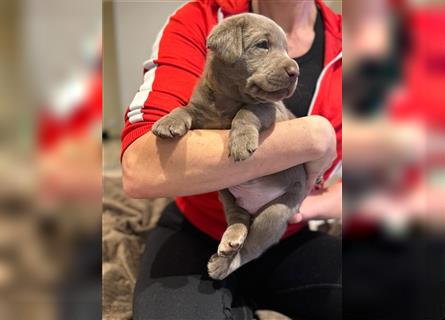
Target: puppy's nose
292 71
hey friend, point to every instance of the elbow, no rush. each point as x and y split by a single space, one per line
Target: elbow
130 180
133 182
325 138
131 186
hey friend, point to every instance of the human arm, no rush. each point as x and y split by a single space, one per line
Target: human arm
199 163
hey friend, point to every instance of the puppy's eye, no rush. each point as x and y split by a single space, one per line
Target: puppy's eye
262 45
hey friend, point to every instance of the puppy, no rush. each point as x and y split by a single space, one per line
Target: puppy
247 74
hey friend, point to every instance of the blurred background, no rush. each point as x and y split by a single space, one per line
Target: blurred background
50 159
394 159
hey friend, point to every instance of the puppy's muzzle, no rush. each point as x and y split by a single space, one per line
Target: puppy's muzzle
293 72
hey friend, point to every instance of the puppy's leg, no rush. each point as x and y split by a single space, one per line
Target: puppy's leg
265 231
174 124
246 126
238 221
243 141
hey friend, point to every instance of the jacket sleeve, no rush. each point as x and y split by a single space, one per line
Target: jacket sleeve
173 70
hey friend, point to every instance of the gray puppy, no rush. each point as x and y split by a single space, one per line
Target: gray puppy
247 74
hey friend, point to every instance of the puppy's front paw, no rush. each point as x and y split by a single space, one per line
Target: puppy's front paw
170 126
232 239
243 145
219 267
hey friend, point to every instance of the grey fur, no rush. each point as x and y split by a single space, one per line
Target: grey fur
241 90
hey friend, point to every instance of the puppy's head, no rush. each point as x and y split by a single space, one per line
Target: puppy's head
252 50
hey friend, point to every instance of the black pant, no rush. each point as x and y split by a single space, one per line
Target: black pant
299 277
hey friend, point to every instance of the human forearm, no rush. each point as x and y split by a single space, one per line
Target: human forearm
199 162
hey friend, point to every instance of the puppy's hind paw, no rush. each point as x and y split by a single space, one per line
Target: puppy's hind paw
229 248
232 239
220 267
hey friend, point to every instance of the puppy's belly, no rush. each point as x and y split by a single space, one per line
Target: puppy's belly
254 194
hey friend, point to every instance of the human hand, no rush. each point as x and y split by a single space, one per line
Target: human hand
321 205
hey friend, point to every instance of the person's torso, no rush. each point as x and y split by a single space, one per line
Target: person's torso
320 93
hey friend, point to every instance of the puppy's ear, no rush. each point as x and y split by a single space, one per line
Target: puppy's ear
226 41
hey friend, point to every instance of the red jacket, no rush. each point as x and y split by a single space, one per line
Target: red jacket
175 66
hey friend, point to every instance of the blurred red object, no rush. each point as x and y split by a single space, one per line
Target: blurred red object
80 118
421 95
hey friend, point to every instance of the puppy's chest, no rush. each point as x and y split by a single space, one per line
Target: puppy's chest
218 115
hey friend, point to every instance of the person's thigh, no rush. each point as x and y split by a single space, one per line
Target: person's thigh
173 282
299 277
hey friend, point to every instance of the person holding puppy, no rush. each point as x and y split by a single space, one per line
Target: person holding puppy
300 276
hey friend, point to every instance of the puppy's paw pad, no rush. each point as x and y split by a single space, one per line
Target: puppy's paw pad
229 248
232 240
218 267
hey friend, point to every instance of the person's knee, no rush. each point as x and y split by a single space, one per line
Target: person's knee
142 304
182 297
319 302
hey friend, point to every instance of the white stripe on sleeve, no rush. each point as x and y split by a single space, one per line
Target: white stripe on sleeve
135 110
